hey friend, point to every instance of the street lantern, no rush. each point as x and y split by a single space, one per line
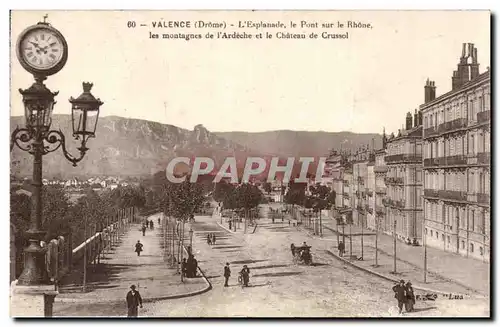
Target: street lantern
43 58
38 103
85 113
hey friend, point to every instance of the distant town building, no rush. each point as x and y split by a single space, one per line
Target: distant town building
403 181
457 161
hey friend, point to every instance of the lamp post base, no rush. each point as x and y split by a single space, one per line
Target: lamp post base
34 272
32 301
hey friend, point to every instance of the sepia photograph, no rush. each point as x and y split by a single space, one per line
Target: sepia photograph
250 163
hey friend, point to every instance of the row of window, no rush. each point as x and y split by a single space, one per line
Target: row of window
472 181
472 219
405 147
448 238
472 143
466 108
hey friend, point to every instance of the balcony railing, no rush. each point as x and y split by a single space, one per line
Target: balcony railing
399 204
483 198
393 180
451 126
484 158
431 131
393 203
446 161
452 195
431 193
403 158
380 169
484 116
380 210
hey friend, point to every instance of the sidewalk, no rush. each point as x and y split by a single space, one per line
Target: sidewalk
443 268
109 282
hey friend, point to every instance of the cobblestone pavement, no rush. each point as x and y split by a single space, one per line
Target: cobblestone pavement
278 288
109 282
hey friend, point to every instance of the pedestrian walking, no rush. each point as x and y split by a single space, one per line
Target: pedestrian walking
245 274
143 230
292 248
134 300
410 297
209 239
138 248
400 294
213 239
227 274
159 221
184 268
151 225
341 248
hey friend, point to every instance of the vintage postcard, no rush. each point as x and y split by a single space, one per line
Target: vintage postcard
250 164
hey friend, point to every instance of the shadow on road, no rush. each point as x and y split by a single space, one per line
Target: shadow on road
227 247
98 277
244 262
318 264
278 274
423 309
270 266
257 285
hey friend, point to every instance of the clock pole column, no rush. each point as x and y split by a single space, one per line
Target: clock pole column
33 296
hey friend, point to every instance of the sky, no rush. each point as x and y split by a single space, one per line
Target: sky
361 84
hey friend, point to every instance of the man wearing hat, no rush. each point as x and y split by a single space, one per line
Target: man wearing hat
227 274
133 301
400 294
410 297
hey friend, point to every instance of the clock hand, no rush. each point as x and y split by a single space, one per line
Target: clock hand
35 44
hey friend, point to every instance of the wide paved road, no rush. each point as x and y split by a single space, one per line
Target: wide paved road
281 289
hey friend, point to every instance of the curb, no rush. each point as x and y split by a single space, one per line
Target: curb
473 290
227 229
385 276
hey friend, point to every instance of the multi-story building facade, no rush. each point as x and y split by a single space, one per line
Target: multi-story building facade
348 193
370 194
457 161
380 191
334 168
404 179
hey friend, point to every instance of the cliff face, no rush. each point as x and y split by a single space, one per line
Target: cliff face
126 147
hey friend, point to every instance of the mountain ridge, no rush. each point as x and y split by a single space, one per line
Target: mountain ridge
139 147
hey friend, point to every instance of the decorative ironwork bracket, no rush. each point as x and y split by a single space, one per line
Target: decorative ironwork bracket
24 137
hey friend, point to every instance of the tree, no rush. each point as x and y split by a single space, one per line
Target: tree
267 187
248 197
296 193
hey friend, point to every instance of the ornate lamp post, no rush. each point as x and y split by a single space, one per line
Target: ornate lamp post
191 237
42 51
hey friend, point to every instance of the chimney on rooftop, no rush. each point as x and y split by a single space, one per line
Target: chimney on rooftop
429 91
408 121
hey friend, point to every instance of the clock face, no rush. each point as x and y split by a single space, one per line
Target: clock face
42 49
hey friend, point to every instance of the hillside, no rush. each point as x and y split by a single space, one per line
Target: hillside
134 147
300 143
